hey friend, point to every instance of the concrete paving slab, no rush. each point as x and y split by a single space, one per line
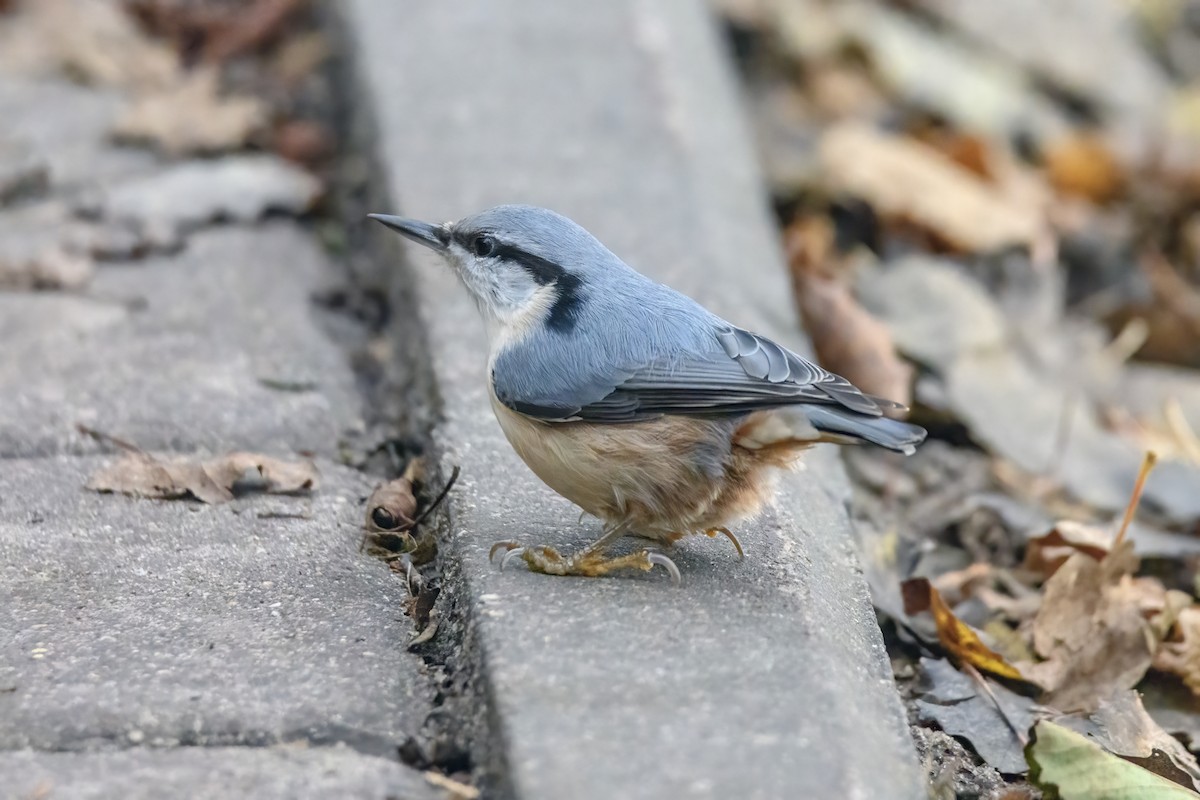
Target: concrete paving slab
218 773
139 622
761 679
214 348
67 126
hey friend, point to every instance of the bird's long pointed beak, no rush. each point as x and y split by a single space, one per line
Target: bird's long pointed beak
432 236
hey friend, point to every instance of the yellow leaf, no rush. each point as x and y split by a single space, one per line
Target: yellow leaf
955 635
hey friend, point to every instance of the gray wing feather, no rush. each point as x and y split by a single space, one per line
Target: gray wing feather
744 373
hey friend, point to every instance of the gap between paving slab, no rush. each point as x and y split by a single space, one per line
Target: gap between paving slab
761 679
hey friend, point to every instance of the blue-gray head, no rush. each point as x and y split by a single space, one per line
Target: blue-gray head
524 265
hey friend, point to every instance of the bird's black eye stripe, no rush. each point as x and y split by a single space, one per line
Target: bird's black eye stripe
485 245
543 271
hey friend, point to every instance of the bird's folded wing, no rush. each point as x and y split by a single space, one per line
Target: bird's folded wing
742 372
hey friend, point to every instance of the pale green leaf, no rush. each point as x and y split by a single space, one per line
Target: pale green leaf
1069 766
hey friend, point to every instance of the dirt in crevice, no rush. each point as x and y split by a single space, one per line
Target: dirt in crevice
371 309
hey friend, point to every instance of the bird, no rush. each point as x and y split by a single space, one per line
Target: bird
630 399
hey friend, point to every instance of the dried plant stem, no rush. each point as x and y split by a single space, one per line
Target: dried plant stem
1147 464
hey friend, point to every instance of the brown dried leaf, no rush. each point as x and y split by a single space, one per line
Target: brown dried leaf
215 481
392 506
847 338
1121 726
192 117
94 40
1083 165
955 635
251 28
1181 654
52 268
904 179
1046 553
1091 630
220 30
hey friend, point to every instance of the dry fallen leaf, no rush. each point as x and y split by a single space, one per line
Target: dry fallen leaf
994 719
214 481
1121 726
93 40
955 635
37 250
847 338
902 178
1046 553
1180 655
191 116
219 30
1082 164
392 519
1091 631
52 268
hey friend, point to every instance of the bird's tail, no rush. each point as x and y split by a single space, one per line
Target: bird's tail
787 428
893 434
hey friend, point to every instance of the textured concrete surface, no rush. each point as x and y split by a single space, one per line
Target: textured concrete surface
219 773
216 346
170 622
761 679
154 649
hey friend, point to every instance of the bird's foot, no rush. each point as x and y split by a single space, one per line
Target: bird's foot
589 563
728 533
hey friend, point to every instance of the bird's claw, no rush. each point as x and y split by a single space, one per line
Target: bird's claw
666 563
549 561
516 552
728 534
507 545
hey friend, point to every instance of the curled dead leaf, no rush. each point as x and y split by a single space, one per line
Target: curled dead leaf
905 179
1046 553
97 42
1083 165
963 644
1091 630
1121 726
1180 655
392 519
217 480
191 116
219 30
846 337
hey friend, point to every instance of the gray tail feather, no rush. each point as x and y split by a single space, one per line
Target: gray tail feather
893 434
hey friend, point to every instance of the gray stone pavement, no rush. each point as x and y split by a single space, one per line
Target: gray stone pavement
172 649
202 340
216 773
761 679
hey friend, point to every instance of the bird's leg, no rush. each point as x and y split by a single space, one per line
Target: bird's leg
589 562
726 532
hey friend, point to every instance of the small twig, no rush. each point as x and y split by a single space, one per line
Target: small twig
437 501
1147 464
1021 735
1128 341
101 436
460 791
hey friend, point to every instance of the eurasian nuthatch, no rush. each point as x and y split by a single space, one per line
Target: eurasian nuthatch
631 400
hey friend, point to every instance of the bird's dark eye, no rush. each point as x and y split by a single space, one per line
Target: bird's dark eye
483 245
